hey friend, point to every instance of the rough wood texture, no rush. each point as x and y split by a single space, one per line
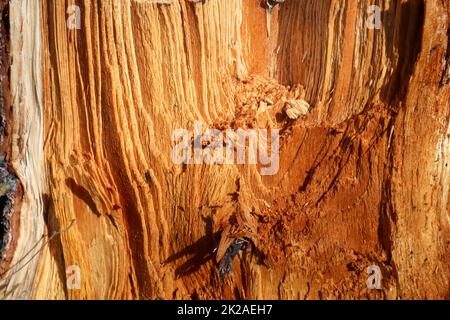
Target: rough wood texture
363 179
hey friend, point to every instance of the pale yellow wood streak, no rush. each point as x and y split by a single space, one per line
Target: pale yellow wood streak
27 145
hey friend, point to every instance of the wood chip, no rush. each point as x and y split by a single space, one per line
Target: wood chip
296 108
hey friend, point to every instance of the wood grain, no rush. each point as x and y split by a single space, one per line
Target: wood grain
363 178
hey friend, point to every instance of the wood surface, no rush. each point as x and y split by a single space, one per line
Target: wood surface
363 178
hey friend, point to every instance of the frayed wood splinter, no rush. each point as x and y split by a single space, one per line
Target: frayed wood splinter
296 108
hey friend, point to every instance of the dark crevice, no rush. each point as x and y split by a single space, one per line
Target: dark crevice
83 195
404 42
445 77
388 217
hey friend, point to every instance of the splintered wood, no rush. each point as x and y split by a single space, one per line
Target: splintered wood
296 108
362 178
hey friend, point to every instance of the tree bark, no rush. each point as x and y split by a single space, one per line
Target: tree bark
363 177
